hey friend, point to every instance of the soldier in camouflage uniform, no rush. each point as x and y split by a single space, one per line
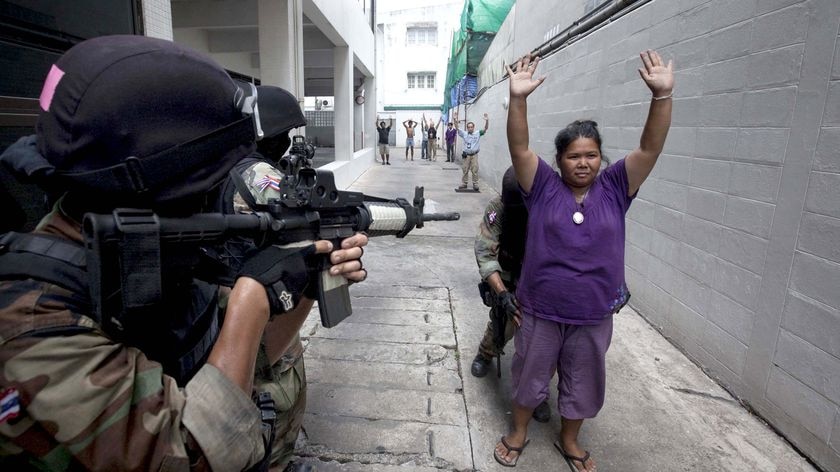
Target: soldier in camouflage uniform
286 378
71 396
504 215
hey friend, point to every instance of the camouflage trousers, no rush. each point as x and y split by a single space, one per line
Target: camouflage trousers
487 349
287 385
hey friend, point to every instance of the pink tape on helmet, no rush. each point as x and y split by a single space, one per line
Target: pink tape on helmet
53 78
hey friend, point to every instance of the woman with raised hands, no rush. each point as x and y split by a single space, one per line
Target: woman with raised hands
573 273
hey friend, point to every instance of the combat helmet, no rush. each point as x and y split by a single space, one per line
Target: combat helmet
140 121
279 114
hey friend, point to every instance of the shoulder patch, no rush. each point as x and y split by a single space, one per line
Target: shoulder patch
268 181
491 216
9 404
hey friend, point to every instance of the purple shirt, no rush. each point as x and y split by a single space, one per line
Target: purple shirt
450 136
575 273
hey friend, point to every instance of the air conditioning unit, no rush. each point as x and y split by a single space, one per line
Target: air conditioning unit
323 103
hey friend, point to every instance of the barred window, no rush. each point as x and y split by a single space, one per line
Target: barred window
421 80
319 118
421 35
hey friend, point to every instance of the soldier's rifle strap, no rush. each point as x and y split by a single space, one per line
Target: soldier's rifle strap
46 258
268 416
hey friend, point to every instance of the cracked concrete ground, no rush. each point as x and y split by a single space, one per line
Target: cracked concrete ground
390 389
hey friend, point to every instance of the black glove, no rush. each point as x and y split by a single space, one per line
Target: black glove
506 301
284 271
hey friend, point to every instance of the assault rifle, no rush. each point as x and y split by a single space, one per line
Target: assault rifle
124 248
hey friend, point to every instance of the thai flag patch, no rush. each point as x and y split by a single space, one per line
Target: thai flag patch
268 181
9 404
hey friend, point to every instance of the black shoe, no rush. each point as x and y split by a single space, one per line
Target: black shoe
480 366
542 413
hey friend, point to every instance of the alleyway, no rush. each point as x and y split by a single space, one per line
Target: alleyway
391 386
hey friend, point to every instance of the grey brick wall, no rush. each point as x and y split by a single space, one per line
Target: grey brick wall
733 244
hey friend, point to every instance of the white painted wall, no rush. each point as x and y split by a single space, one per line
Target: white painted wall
345 24
397 59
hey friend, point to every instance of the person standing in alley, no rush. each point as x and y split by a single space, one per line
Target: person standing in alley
424 143
409 126
451 133
471 147
576 232
384 132
432 133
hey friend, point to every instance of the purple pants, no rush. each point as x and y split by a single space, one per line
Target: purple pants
579 354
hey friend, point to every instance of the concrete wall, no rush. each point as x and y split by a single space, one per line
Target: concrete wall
733 244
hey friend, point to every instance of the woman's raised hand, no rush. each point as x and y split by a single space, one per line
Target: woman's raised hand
657 76
522 82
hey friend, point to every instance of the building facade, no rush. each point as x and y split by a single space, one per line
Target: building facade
414 42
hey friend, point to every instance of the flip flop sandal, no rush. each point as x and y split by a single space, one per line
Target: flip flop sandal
570 458
510 449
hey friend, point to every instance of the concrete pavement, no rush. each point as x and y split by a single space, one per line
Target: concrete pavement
390 389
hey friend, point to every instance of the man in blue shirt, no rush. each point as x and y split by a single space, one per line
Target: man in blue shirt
471 147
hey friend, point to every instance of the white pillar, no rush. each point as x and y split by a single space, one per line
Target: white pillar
343 91
281 44
370 113
358 122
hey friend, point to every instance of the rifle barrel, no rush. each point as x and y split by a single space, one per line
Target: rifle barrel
451 216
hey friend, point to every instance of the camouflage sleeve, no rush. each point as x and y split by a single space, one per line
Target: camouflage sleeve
263 180
85 400
487 239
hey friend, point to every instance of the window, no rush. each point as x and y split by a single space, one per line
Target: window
421 35
421 80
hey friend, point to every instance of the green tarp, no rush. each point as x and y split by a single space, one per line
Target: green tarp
480 20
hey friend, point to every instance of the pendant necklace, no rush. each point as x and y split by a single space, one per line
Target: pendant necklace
577 217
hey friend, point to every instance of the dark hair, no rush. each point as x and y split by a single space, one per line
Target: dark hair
381 124
574 130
